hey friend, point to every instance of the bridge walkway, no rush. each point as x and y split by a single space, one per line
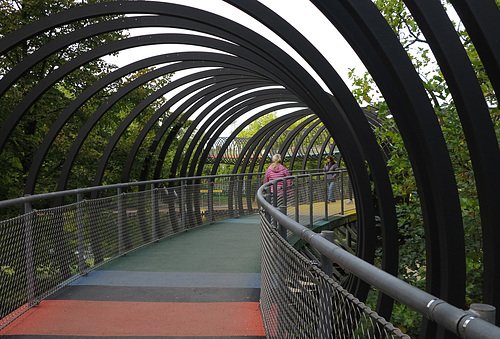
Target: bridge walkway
204 283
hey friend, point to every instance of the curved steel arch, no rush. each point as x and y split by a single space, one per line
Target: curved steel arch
283 147
300 142
321 134
227 101
234 91
141 138
181 116
223 60
229 112
65 69
234 148
216 130
290 137
86 95
482 20
241 127
310 151
368 33
297 80
147 127
52 78
258 141
73 37
372 120
85 131
324 145
346 103
323 148
221 83
77 103
133 42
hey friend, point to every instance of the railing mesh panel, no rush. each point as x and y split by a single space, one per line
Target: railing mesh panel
299 301
13 296
305 201
306 198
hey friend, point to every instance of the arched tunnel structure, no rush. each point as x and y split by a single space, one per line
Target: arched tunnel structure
241 75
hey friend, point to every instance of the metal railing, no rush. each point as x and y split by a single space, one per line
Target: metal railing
306 196
62 235
300 300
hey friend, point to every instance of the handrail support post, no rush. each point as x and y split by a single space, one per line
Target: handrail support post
28 243
154 212
80 225
121 221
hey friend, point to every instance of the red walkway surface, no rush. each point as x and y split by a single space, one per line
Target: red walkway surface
93 318
201 284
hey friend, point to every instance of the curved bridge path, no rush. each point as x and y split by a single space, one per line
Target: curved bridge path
204 283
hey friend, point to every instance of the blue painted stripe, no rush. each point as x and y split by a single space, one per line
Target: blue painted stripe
170 279
239 221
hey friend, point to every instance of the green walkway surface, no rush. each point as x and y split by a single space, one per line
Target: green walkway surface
231 246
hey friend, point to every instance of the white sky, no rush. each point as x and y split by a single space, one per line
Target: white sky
300 13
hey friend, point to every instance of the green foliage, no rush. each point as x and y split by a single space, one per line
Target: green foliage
257 125
406 320
362 87
222 169
26 138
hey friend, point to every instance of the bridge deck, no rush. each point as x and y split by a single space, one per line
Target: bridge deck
201 284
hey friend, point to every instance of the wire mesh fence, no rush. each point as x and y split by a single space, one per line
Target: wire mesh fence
63 235
305 197
47 247
298 300
305 200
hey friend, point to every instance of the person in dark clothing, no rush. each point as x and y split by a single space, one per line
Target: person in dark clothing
331 178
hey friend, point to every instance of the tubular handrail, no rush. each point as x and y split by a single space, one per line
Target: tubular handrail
74 192
465 324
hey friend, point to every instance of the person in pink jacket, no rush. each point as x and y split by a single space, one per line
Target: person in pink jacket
275 171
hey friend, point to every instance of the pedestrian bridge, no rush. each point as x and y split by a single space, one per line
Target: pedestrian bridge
155 259
222 87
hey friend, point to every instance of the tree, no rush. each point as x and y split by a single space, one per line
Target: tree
25 139
257 125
